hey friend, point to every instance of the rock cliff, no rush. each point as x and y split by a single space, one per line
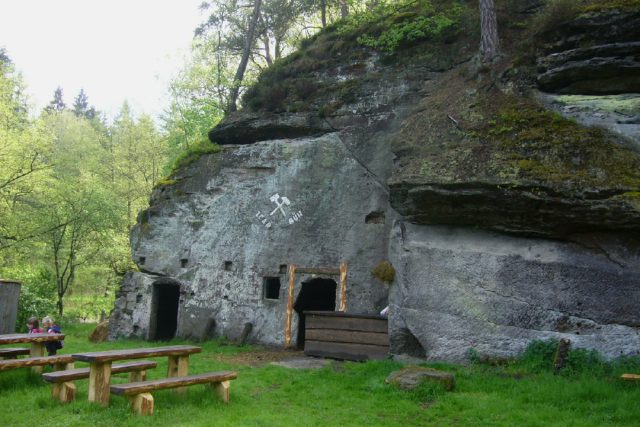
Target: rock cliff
507 216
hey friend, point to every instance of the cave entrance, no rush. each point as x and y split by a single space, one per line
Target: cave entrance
164 310
302 300
316 294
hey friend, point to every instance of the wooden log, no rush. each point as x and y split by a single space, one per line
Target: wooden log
630 377
64 392
343 287
136 353
345 351
356 337
320 270
37 350
287 326
13 353
35 361
82 373
99 379
178 367
222 390
136 376
142 404
166 383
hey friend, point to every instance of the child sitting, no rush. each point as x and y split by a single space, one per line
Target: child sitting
34 325
51 328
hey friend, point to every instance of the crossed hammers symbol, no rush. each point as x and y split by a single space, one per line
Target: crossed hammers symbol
276 199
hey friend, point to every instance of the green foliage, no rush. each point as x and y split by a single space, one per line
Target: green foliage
391 25
37 293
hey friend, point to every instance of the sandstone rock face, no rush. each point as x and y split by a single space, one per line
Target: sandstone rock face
594 54
459 289
504 222
218 235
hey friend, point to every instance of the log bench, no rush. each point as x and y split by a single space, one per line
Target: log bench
64 389
141 400
59 362
13 353
630 377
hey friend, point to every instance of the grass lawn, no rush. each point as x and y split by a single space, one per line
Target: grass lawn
522 393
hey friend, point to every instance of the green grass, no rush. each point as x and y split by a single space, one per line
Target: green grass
346 394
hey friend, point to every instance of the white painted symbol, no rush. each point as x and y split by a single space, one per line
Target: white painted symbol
263 219
295 217
276 199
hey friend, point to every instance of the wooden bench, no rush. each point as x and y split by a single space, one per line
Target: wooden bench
13 353
37 342
141 400
630 377
59 362
100 365
64 389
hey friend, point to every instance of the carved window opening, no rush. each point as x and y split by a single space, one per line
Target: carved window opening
271 288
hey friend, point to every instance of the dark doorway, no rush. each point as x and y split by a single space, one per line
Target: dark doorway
316 294
164 310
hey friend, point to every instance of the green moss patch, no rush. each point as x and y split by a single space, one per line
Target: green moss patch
545 146
193 153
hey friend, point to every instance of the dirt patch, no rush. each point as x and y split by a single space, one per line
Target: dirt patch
258 357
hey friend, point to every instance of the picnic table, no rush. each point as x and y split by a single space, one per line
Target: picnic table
100 365
36 340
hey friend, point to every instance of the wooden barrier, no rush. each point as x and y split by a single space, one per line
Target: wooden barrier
346 336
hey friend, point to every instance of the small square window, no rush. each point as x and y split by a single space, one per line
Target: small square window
271 287
228 265
282 269
142 260
184 262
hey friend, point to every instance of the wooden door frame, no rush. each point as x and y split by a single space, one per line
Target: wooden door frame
341 271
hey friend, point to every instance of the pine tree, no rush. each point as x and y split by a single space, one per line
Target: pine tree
57 104
81 104
489 42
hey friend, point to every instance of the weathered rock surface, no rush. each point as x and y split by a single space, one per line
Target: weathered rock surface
247 128
100 333
578 62
604 69
459 288
504 222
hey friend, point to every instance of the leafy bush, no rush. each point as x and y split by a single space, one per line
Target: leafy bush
37 294
391 25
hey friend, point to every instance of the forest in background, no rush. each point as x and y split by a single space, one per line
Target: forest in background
73 180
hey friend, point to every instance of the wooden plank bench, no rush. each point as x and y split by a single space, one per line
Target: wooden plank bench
64 389
13 353
100 365
59 362
141 400
630 377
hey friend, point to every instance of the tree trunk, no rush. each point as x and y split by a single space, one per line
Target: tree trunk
246 52
489 43
344 8
323 10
